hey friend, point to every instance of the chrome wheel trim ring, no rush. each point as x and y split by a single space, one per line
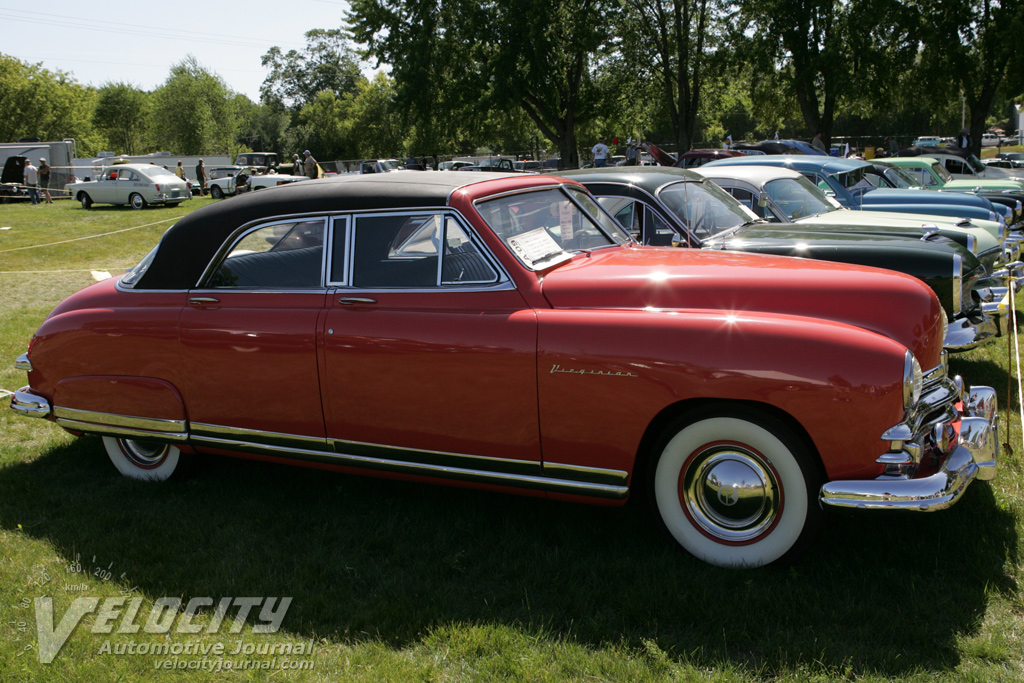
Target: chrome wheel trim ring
144 454
731 493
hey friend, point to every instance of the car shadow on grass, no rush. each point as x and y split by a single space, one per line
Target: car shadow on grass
369 559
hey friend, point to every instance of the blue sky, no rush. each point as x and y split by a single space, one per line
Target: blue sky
137 41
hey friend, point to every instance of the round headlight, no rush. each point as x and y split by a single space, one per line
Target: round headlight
913 380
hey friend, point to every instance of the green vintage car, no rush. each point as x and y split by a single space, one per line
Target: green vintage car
664 206
929 173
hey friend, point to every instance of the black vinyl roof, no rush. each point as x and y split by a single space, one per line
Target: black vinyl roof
188 245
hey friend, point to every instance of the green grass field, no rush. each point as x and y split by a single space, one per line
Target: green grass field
392 581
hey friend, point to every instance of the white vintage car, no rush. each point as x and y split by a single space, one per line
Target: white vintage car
246 180
133 184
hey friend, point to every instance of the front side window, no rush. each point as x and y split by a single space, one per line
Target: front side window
285 255
941 171
416 252
544 227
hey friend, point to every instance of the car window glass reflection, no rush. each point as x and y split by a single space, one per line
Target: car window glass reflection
284 255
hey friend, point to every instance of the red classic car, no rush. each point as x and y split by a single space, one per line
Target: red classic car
502 332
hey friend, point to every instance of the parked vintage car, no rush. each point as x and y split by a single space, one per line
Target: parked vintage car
662 207
699 157
136 185
502 332
247 180
846 181
928 174
12 179
963 165
261 161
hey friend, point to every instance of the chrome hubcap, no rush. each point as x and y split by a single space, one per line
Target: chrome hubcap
146 454
731 493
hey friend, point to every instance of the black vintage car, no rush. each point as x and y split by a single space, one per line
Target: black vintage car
674 207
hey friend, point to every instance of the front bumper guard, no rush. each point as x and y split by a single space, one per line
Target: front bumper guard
974 457
964 334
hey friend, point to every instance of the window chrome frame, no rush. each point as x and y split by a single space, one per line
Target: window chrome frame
224 251
502 279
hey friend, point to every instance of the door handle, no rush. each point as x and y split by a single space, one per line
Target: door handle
353 300
199 300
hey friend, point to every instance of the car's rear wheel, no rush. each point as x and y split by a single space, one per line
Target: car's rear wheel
136 201
85 200
736 488
216 192
145 460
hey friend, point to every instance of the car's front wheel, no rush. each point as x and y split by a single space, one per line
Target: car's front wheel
85 200
216 192
136 201
145 460
736 488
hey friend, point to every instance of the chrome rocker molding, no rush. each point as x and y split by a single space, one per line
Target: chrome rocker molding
974 457
172 431
571 479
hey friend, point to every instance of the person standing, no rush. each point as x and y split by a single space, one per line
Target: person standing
180 171
819 144
632 152
44 180
600 152
894 147
296 165
309 165
963 141
201 178
31 181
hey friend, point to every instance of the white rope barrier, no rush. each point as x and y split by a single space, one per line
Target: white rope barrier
88 237
1016 349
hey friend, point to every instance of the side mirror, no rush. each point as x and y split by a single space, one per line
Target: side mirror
762 200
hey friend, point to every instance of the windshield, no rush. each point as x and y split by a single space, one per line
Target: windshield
545 227
390 164
797 197
705 208
941 171
975 163
898 177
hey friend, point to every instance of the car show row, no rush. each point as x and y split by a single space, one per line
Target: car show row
744 346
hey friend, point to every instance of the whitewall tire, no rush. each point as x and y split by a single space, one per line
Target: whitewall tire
736 489
144 460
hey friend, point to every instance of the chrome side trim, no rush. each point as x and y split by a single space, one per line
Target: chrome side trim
572 479
29 404
147 424
201 433
23 363
110 430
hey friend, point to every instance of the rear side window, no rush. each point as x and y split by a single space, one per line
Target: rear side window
280 256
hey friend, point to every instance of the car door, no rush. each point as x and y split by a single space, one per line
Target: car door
248 338
429 350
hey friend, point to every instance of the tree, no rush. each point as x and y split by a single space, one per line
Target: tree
35 102
975 45
538 56
328 63
671 40
121 113
828 54
193 111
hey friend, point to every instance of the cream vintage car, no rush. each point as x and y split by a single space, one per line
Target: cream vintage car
136 185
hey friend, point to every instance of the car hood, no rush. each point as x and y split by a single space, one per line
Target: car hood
834 237
922 196
666 278
985 232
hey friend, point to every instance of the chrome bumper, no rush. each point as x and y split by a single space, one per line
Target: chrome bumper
26 403
974 457
964 335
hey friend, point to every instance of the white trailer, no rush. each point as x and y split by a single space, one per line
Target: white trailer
59 155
